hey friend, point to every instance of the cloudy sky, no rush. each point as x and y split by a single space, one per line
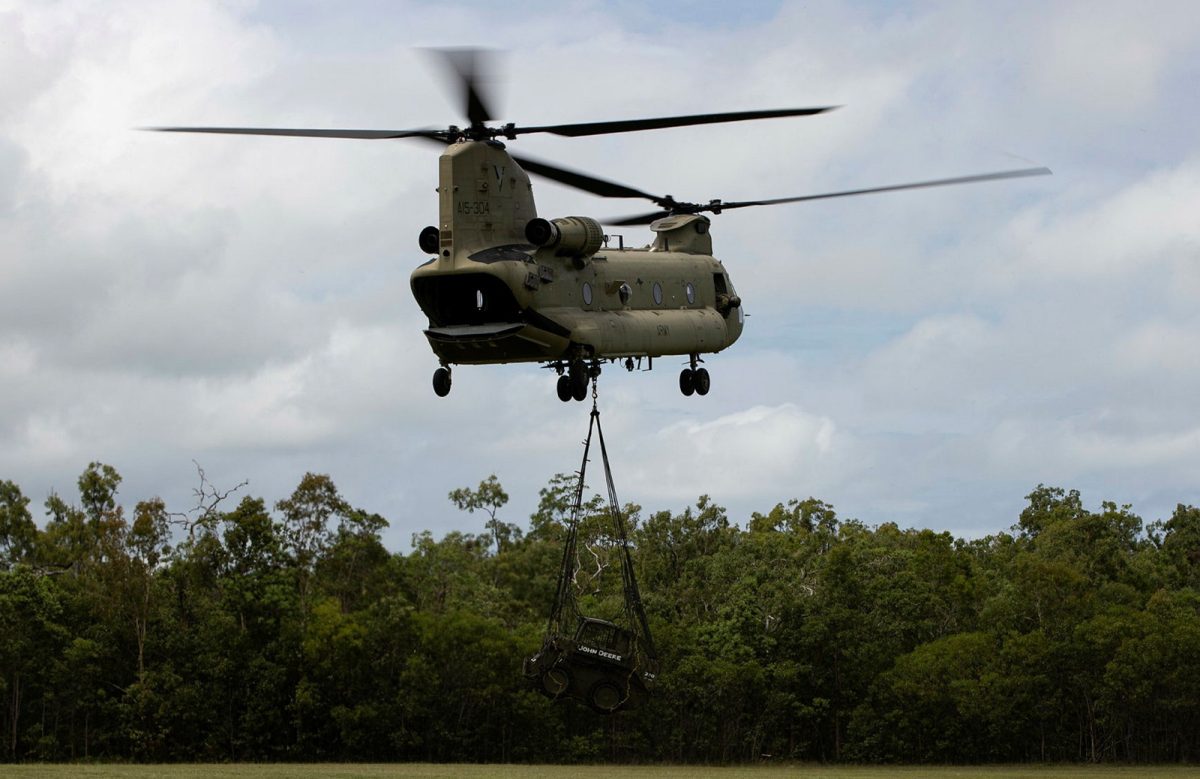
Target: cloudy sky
922 357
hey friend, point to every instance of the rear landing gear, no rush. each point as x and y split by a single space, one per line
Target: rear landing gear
694 380
687 381
441 382
573 383
579 378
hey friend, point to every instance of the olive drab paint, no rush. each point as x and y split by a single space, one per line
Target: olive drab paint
492 296
484 199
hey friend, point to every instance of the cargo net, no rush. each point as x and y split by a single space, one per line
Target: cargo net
608 664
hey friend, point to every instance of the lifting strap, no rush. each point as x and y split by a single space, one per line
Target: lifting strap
564 598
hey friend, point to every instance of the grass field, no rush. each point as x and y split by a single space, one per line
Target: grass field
427 771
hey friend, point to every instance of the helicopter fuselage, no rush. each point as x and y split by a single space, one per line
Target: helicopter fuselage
506 286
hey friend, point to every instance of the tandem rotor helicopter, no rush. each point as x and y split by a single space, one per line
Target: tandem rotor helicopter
505 285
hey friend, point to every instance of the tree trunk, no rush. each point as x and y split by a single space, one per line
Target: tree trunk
140 628
1091 721
15 714
140 624
837 708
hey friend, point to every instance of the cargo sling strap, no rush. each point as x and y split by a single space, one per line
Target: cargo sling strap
564 598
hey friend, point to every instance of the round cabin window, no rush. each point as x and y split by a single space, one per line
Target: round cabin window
657 294
587 294
690 290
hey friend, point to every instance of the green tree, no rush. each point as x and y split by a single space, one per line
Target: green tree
356 568
306 531
148 543
98 491
1181 546
489 498
1150 696
31 633
18 533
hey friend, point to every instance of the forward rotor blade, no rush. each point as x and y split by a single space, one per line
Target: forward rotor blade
1007 174
631 125
304 132
467 66
596 186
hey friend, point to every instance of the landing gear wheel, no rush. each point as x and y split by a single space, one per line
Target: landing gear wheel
556 681
441 382
564 388
605 697
702 381
687 381
579 384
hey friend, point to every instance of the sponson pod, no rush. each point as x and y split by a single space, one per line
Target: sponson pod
571 236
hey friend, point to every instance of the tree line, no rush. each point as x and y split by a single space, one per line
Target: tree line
238 631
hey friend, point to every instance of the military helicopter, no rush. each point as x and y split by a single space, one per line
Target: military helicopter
504 285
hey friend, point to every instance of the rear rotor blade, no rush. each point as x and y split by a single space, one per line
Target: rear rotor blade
632 125
596 186
305 132
639 219
1007 174
717 206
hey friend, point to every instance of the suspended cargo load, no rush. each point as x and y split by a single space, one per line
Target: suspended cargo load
598 666
596 661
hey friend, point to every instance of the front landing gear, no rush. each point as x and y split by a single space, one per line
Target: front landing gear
441 381
694 380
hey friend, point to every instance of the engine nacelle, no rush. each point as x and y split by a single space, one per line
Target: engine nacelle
571 236
430 239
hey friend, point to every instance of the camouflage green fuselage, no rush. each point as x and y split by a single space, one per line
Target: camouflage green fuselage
492 296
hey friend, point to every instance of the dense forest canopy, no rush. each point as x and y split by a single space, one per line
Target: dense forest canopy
241 631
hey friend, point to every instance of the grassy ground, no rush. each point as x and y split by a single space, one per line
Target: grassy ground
426 771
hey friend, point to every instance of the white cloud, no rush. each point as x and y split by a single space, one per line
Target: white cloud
1151 222
1100 57
244 301
736 456
1167 351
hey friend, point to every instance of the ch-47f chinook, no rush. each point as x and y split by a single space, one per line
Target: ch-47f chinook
505 285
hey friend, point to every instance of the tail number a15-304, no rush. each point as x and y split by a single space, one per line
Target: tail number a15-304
474 207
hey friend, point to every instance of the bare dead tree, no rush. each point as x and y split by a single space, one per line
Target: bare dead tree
594 578
204 514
